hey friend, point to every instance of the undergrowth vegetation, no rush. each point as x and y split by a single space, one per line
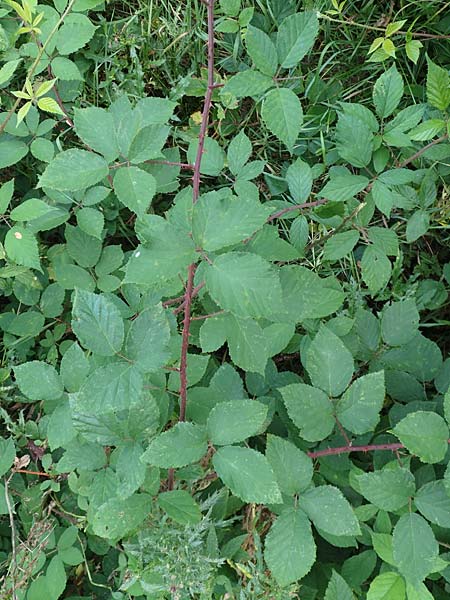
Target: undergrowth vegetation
224 281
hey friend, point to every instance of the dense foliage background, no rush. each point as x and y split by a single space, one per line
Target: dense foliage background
224 281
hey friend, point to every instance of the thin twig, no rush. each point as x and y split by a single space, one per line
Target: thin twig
283 211
419 153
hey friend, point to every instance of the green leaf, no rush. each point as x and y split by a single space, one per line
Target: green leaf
56 577
424 434
148 142
95 126
290 550
6 194
387 92
299 179
438 86
417 225
38 381
22 248
74 170
387 586
222 219
328 362
247 343
167 252
180 506
114 386
375 268
60 429
75 32
340 245
213 157
129 468
359 408
261 50
117 518
329 510
427 130
231 7
135 188
29 209
65 69
418 591
97 323
91 221
296 36
7 455
247 83
293 468
196 368
400 322
338 588
148 338
415 547
343 187
248 474
183 444
310 409
238 153
7 70
354 140
433 502
74 368
244 284
11 151
235 421
389 489
283 115
306 295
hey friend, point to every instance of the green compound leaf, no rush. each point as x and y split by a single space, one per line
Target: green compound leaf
235 421
116 518
296 36
244 284
310 409
95 126
387 92
220 219
283 115
74 170
424 434
329 510
389 489
38 381
97 323
248 474
135 189
261 50
293 468
180 506
359 408
290 550
22 248
415 548
343 187
329 363
182 445
400 322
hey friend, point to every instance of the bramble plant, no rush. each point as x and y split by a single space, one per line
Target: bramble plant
221 376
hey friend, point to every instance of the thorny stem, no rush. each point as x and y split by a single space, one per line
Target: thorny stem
283 211
349 448
419 153
195 194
